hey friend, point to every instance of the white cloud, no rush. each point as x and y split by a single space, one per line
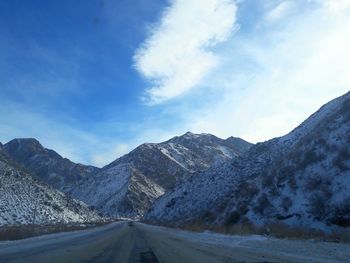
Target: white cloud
270 80
293 70
282 10
178 54
338 5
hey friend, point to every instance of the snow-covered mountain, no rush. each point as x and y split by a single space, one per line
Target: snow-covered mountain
46 164
25 200
302 178
130 184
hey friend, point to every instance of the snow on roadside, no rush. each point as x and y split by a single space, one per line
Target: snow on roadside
301 250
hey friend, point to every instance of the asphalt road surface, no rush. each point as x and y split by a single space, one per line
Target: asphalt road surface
119 242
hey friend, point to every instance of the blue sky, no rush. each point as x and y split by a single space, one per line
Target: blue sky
93 79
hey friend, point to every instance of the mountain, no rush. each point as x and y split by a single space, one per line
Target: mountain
25 200
302 178
129 185
192 152
46 164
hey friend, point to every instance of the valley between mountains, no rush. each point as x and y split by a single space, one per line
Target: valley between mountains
301 179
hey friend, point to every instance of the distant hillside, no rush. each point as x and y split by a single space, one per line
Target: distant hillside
46 164
25 200
129 185
302 178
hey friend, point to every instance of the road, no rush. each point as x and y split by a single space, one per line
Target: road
121 243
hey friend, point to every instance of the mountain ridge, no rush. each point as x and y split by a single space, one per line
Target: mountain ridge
152 169
131 183
280 180
47 164
26 200
202 178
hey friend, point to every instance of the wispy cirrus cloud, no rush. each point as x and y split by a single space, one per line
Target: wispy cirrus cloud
279 12
338 5
284 62
178 53
277 75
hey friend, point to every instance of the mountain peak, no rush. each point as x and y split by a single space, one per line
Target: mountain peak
189 135
192 136
46 164
23 146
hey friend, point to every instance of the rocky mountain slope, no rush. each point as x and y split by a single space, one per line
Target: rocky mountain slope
302 178
25 200
130 184
46 164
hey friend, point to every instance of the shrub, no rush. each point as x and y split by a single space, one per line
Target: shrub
233 218
285 173
311 157
313 183
247 190
342 158
292 183
208 216
268 180
171 203
318 206
263 203
341 214
286 203
57 208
